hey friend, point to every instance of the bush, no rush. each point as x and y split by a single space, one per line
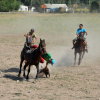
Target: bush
9 5
84 10
62 10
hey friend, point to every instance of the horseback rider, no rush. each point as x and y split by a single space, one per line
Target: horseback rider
81 33
30 38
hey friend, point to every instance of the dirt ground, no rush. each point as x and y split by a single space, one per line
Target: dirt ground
67 82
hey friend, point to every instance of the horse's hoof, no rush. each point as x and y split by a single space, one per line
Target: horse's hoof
36 77
24 79
27 78
24 75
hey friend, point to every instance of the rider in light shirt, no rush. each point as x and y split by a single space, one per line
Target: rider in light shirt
30 38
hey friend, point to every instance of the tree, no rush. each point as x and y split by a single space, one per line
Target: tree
10 5
40 2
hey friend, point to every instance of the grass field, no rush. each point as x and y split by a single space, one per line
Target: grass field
66 82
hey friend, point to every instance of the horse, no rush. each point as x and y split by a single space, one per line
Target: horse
32 58
79 48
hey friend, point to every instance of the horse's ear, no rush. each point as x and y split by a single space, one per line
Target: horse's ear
40 39
44 40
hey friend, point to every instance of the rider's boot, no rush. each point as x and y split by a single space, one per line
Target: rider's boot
73 45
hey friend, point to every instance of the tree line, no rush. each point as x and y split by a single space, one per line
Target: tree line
39 2
13 5
9 5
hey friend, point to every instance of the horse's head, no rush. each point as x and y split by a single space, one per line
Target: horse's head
79 42
80 39
42 46
81 35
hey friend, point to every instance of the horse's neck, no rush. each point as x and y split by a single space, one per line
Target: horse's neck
80 43
81 35
37 52
25 49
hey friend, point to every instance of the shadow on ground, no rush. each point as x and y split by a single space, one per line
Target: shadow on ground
11 70
12 77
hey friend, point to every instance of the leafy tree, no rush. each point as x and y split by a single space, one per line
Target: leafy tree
39 2
10 5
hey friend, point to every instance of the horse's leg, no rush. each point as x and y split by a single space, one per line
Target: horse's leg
80 58
75 58
49 74
83 54
28 72
25 69
37 67
21 62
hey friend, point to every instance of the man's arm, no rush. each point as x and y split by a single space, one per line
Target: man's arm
35 37
26 35
85 32
77 33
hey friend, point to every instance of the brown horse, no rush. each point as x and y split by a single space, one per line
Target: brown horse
32 58
79 48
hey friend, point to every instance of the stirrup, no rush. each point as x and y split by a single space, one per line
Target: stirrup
73 47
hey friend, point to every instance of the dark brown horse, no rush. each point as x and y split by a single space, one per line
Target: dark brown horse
32 58
79 48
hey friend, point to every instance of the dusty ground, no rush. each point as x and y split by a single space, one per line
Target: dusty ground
67 82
